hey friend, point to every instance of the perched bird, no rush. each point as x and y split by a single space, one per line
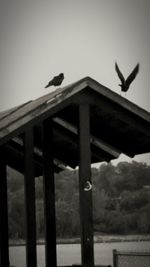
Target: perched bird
126 83
57 80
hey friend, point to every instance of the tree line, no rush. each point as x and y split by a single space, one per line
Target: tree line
121 201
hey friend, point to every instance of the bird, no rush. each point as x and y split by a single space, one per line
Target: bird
125 84
57 80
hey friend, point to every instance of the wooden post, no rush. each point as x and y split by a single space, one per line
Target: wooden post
4 251
49 195
115 259
31 258
85 187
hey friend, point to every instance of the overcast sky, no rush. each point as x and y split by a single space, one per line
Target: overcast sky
40 39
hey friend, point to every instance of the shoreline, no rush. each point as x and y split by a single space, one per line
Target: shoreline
97 239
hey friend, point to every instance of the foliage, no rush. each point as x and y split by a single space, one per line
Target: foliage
121 201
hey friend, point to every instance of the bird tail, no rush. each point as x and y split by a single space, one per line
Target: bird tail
49 84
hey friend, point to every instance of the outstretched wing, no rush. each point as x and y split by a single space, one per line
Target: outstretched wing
119 73
132 76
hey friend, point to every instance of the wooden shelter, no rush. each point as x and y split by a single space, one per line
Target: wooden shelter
77 125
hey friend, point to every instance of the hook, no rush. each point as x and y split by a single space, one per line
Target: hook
88 186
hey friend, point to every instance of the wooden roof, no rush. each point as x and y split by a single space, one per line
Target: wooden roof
117 125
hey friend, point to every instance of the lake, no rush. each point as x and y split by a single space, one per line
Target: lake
68 254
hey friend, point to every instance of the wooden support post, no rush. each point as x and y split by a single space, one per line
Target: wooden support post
4 250
31 258
49 195
85 187
115 258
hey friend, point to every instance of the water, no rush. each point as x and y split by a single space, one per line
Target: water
69 254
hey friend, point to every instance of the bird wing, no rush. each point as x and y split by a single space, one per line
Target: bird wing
57 80
119 73
132 76
53 81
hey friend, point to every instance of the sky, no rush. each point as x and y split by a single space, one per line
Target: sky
40 39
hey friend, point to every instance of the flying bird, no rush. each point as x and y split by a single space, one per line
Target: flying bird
125 84
57 80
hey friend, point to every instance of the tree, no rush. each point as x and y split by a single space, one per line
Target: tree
121 200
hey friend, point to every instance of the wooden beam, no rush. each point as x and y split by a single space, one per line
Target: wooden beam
86 212
68 136
31 258
122 110
15 159
94 141
49 195
4 251
115 258
15 154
